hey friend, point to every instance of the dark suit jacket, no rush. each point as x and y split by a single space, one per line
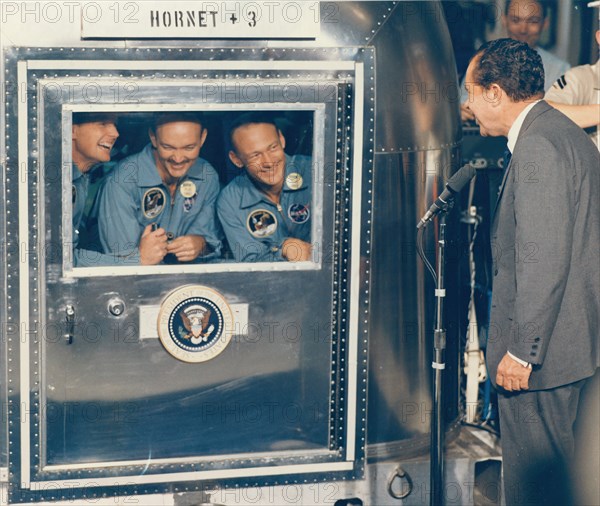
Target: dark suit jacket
546 250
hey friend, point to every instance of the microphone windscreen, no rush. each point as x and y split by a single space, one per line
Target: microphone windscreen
457 182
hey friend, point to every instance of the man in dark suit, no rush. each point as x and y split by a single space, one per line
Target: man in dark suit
543 340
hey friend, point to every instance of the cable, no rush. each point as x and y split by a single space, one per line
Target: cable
482 427
421 252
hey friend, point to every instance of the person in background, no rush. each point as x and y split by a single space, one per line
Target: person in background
544 324
577 94
265 211
158 206
525 21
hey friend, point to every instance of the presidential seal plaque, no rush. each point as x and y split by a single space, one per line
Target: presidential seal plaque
195 323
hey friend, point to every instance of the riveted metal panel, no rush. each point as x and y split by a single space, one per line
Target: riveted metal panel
111 412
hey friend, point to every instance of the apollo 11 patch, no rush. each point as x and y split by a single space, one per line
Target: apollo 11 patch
153 202
195 323
261 223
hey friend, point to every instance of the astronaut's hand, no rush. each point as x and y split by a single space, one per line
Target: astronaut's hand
153 246
187 247
296 250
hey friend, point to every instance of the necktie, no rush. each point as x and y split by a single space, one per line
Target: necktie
506 158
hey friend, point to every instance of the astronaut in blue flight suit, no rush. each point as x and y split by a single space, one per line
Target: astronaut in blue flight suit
266 210
93 137
158 206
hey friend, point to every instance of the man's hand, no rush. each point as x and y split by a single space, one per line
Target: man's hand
153 246
295 250
511 375
187 247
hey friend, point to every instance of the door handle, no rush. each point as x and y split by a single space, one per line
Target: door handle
70 323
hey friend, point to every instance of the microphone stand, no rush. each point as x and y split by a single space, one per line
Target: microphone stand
436 477
438 365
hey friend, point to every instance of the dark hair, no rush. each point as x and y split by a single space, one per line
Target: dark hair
544 4
161 118
94 117
250 118
511 64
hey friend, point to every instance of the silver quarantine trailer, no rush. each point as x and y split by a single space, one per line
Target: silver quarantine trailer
228 381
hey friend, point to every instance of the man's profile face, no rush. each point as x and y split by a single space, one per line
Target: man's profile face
93 142
525 21
259 147
482 103
177 147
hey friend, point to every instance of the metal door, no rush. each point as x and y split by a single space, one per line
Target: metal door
97 404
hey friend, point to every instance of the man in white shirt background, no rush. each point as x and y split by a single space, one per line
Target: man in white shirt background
577 93
525 21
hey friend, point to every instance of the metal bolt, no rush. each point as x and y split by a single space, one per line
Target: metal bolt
116 307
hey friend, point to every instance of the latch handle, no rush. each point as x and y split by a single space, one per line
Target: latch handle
70 323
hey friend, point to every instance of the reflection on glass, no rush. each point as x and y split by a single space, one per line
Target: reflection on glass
191 187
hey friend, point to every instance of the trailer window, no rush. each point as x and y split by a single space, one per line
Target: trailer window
179 190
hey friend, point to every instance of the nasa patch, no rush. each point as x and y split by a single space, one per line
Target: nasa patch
153 202
299 213
261 223
195 323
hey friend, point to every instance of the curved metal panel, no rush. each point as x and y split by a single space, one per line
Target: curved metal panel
416 83
403 305
352 23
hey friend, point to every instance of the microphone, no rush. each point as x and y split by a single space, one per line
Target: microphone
454 185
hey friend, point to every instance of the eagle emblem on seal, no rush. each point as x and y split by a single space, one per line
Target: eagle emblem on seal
196 321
